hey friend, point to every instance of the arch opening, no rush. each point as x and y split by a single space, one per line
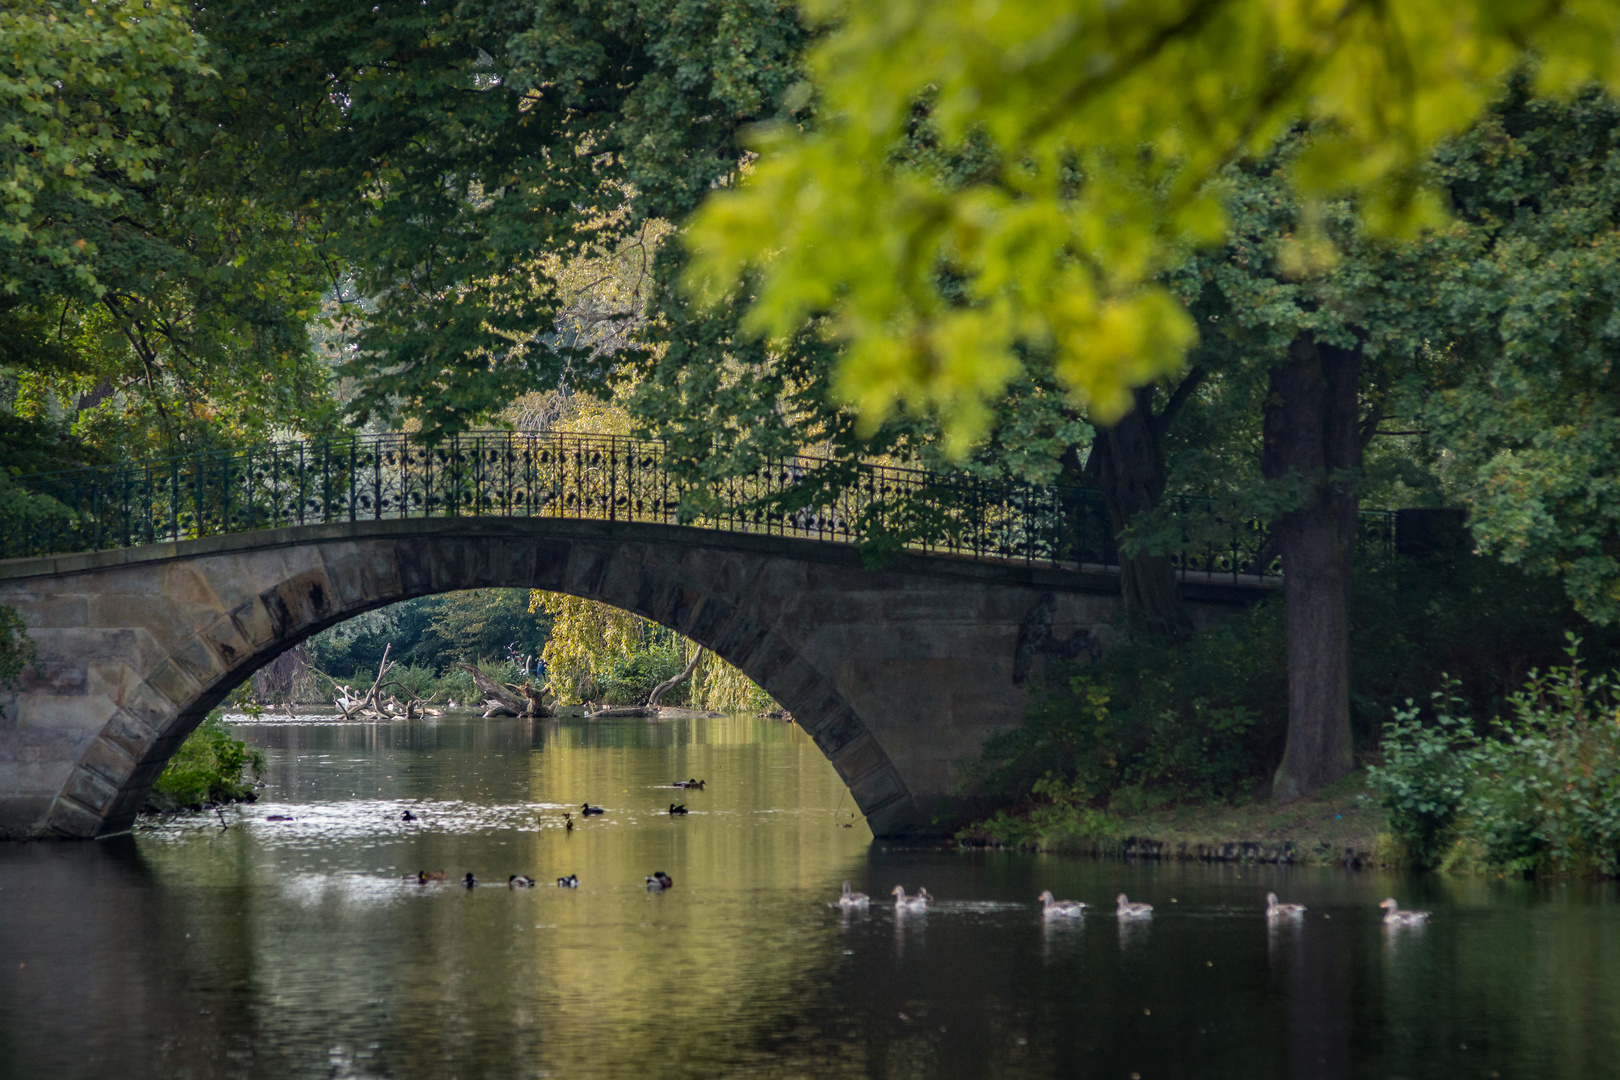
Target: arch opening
225 614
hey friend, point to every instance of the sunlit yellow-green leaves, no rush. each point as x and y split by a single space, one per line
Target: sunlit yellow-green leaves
85 97
1108 123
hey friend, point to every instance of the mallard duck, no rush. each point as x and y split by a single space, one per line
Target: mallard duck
1275 910
1394 916
675 810
698 784
520 881
407 816
569 882
430 877
659 882
902 902
849 900
1056 909
587 809
469 880
1127 910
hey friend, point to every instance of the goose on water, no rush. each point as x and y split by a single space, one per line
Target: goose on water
1128 910
902 902
1275 910
850 900
1394 916
1054 909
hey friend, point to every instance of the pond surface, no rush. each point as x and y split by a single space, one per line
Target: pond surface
289 949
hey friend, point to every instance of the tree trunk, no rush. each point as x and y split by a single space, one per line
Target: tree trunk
1311 435
1127 464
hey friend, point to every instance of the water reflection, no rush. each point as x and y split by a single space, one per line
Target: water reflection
295 949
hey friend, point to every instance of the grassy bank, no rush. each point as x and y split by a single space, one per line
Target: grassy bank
1343 823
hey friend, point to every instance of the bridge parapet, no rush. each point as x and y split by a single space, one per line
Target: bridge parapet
509 474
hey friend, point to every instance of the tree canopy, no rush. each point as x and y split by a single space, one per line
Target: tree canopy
1103 129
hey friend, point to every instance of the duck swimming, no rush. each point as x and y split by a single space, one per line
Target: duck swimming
851 900
569 882
902 902
407 816
1055 909
588 809
520 881
429 877
1127 910
676 810
1275 910
659 882
1394 916
568 822
696 784
469 880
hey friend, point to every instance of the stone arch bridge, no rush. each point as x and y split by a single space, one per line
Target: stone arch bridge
162 587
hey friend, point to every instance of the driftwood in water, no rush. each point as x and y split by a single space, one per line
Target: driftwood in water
522 700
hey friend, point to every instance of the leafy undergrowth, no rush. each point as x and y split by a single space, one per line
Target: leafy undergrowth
210 768
1320 829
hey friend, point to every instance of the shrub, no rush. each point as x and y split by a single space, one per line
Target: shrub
1424 777
1540 791
210 767
631 679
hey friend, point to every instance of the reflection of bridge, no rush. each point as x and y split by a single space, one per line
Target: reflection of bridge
156 589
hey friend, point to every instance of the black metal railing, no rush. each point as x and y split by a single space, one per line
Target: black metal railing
600 477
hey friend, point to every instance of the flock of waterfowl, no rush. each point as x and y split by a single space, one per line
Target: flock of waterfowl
658 881
1124 907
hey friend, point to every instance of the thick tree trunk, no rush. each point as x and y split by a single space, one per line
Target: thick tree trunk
1311 434
1127 464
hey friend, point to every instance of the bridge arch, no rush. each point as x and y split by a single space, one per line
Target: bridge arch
899 674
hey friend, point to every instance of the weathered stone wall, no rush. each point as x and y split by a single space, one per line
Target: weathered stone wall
899 674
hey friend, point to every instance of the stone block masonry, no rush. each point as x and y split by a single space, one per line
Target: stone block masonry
899 674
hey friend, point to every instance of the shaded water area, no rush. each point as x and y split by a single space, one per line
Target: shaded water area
294 949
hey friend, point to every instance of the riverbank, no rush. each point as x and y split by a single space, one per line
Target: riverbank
1340 825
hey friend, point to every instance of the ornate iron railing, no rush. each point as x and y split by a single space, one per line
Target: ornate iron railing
608 478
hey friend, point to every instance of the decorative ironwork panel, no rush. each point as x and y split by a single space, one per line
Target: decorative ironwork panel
604 478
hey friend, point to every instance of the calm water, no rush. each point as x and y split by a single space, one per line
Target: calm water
293 949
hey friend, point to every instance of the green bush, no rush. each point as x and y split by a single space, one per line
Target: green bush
629 680
1153 722
1539 791
210 767
1423 780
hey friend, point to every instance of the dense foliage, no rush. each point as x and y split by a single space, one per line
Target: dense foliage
210 767
1156 722
1104 128
1537 788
